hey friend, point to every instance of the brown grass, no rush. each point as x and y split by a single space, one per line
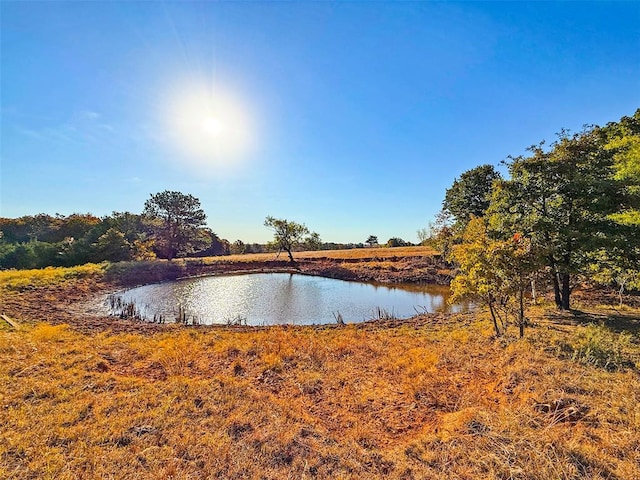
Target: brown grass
435 397
354 253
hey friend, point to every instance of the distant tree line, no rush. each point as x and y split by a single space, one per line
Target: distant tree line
171 225
44 240
567 213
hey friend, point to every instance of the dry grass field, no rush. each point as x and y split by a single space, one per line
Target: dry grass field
353 253
435 397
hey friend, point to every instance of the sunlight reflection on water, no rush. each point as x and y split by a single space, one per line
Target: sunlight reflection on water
283 298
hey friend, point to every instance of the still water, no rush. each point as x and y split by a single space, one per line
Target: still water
282 298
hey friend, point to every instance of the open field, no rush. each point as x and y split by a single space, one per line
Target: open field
432 397
352 253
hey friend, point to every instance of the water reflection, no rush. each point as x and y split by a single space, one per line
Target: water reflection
282 298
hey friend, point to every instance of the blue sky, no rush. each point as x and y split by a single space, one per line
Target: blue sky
352 117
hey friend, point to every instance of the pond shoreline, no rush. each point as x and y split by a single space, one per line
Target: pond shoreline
284 296
73 301
386 271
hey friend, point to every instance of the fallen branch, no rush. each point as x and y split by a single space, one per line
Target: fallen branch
13 323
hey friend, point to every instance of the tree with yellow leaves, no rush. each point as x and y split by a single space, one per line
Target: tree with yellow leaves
497 272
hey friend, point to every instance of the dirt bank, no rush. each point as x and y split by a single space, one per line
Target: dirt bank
426 269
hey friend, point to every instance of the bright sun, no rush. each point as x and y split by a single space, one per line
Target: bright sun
210 127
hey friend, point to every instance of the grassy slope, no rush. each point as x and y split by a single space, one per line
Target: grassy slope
435 397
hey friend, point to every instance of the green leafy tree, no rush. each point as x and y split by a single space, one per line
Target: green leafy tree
216 245
619 263
287 235
113 246
313 242
470 194
477 277
176 221
563 200
617 268
18 255
46 228
397 242
517 262
238 247
372 240
624 141
76 226
130 224
41 227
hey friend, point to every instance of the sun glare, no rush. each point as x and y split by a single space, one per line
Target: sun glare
209 127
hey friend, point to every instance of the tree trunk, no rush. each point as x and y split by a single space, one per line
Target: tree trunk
566 291
533 291
621 291
290 255
556 289
493 316
554 279
521 313
566 262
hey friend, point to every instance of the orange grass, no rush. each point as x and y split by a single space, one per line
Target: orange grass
434 399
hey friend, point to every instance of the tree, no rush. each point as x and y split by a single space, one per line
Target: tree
563 200
176 221
41 225
287 235
616 267
497 272
313 242
619 263
113 246
237 248
397 242
439 234
215 245
130 224
76 226
372 240
624 140
470 195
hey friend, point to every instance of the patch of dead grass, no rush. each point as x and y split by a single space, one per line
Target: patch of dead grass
439 400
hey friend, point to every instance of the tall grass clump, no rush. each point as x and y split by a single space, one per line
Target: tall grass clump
598 346
178 354
44 332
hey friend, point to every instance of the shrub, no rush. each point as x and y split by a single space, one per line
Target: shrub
597 345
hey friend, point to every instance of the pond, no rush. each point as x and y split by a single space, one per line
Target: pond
277 298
